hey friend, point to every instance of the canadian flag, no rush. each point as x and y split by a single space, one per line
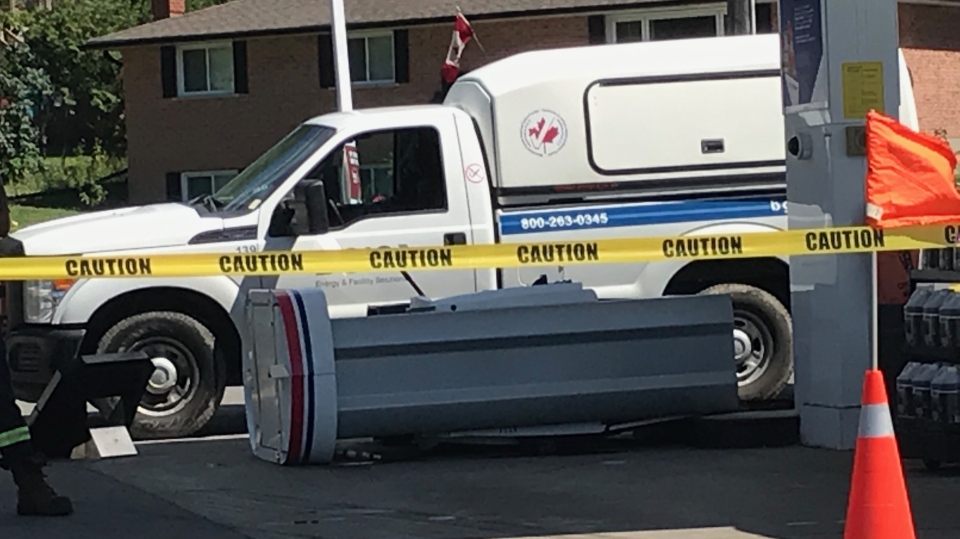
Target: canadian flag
462 34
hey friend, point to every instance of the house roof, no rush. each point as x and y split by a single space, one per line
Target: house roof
271 17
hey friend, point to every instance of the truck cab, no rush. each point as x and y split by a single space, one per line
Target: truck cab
592 143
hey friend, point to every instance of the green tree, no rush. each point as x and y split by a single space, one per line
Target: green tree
22 87
60 92
86 107
87 86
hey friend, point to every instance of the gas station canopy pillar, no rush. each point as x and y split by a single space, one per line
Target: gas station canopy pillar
840 59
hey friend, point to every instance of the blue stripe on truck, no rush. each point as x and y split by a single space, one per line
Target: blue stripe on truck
648 213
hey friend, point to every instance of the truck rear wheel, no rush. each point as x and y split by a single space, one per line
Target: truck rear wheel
763 341
188 383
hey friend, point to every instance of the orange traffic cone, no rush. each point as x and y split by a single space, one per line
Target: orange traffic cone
878 507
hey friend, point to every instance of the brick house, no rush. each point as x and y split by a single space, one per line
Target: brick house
208 91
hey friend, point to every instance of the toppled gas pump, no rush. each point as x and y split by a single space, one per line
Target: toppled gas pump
547 355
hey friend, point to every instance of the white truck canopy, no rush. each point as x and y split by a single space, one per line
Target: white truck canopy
661 117
634 113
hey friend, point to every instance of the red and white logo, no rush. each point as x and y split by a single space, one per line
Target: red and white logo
543 132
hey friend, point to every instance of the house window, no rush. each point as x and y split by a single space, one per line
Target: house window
371 58
205 69
659 25
195 184
765 18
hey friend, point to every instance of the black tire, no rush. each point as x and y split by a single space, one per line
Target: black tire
767 324
201 378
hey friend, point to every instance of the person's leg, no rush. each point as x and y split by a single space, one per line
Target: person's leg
35 497
14 435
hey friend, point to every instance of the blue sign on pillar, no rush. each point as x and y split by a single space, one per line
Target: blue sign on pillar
801 33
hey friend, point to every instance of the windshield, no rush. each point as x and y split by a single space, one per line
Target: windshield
255 183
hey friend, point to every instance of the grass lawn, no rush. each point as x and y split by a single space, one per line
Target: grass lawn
52 193
23 216
64 172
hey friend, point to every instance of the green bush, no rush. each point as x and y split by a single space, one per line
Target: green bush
82 173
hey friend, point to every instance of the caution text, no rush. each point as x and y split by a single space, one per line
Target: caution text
558 253
950 234
843 240
266 263
107 267
411 258
706 247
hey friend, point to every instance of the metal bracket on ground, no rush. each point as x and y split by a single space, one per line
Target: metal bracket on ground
60 426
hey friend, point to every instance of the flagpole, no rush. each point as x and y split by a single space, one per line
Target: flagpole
484 51
341 58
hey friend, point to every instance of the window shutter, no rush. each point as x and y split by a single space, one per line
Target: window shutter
597 28
240 84
174 187
168 71
325 54
401 56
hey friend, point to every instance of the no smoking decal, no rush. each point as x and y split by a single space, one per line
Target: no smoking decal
474 173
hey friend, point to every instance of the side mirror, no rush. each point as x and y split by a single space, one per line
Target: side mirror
309 209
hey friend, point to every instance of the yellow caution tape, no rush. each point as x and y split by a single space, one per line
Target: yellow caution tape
826 241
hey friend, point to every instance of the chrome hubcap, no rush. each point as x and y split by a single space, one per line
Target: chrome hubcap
742 348
164 376
175 372
752 346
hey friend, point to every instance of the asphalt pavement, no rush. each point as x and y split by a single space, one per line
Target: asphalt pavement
214 488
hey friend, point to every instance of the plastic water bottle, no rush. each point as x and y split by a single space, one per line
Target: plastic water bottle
931 316
930 258
936 413
950 321
943 392
906 407
921 389
913 316
946 259
951 396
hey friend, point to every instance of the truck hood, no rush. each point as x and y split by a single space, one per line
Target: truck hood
140 227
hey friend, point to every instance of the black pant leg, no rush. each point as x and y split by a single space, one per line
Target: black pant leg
14 436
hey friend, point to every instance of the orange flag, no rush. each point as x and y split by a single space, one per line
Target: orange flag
910 176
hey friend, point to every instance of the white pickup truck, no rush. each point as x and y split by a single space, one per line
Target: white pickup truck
645 139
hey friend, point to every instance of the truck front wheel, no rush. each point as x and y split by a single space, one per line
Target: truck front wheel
188 383
762 340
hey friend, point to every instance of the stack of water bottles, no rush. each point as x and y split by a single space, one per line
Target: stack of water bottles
928 392
945 259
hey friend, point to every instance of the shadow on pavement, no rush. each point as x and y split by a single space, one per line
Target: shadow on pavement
639 488
105 509
662 483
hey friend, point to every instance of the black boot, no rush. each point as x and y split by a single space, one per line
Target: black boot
35 496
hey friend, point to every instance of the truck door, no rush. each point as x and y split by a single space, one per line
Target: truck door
404 200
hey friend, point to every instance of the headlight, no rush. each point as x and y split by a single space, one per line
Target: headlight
40 299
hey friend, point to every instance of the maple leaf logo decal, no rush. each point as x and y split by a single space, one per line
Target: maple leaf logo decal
544 132
535 131
550 135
